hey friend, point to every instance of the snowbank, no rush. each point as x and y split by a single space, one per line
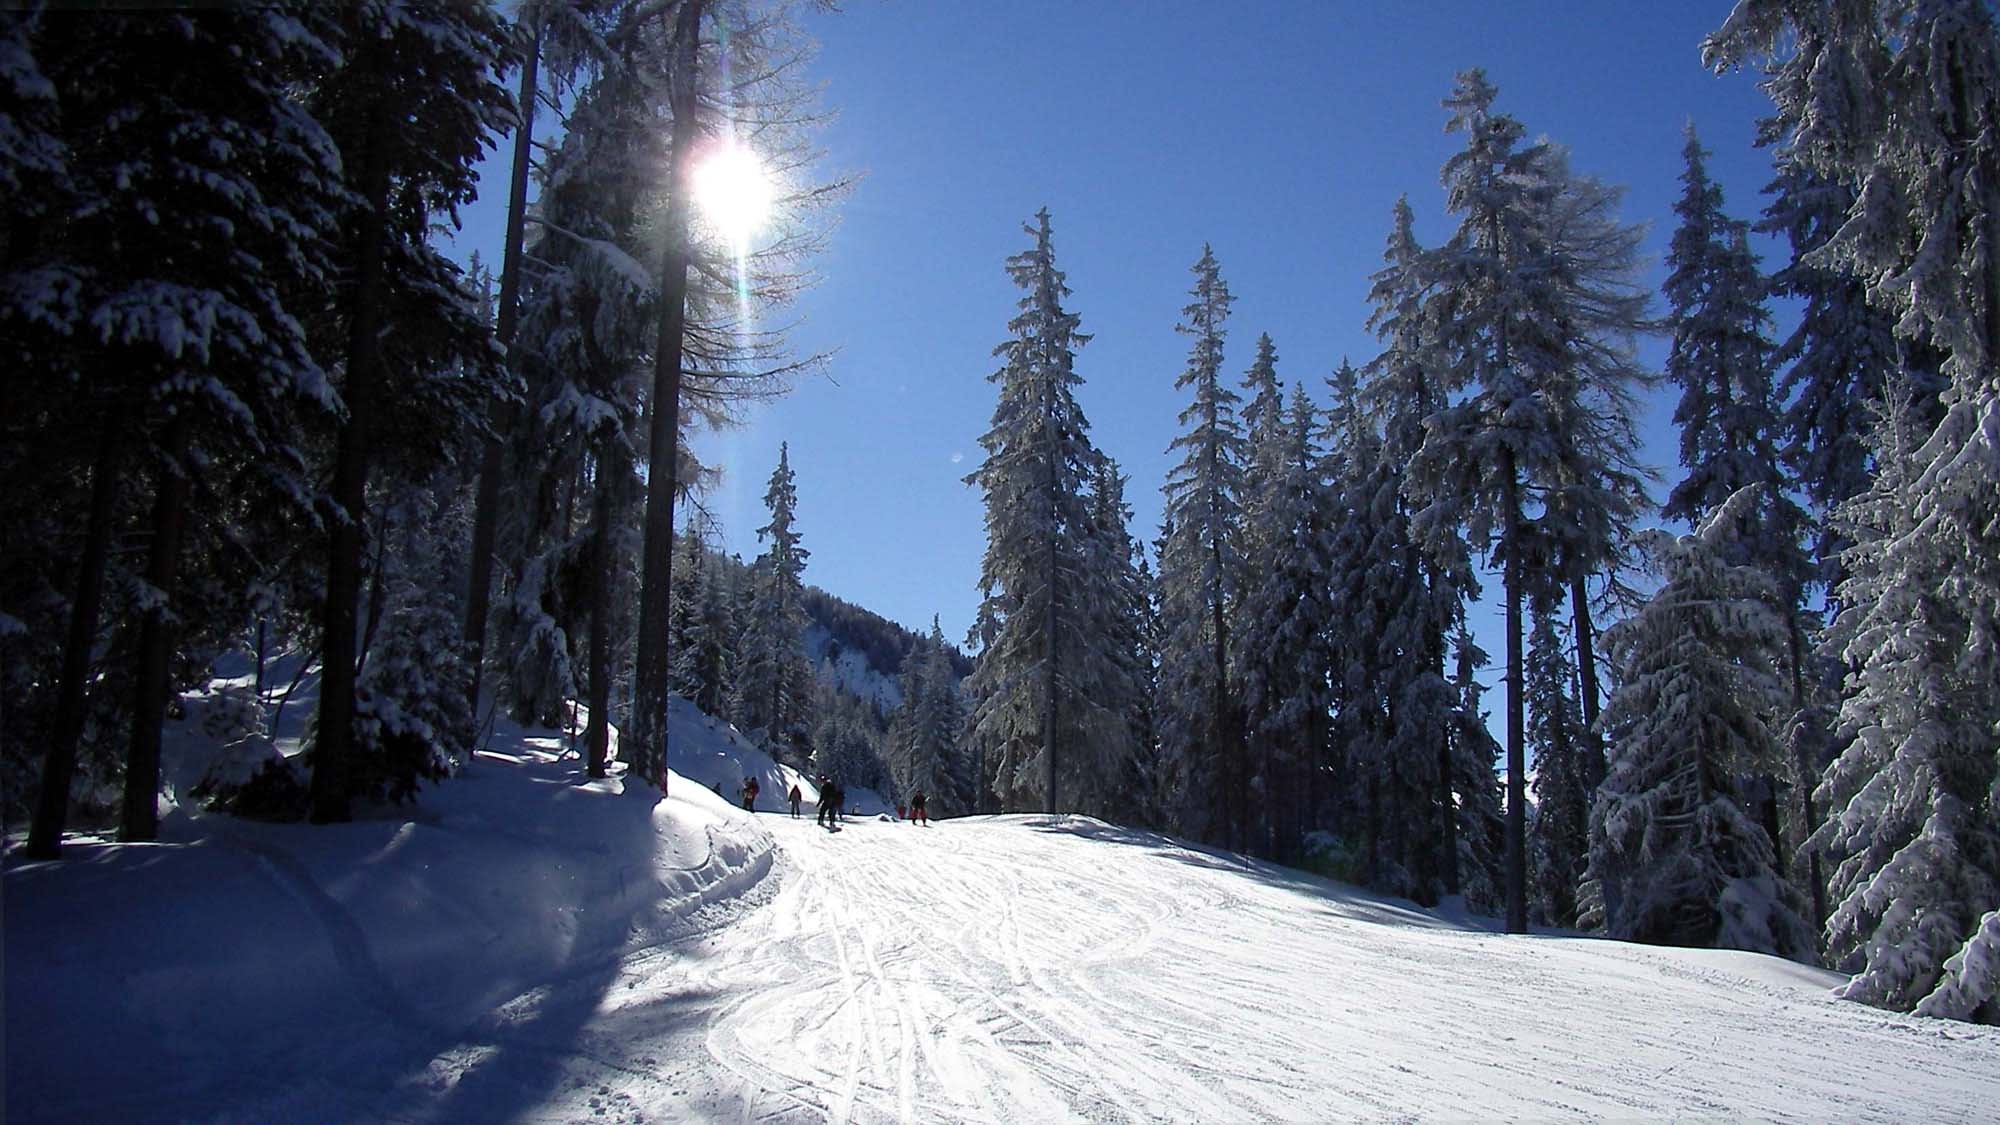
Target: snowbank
241 962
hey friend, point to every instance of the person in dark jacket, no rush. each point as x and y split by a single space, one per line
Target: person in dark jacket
917 814
825 799
795 796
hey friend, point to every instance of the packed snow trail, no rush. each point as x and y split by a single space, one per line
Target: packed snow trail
1027 969
535 946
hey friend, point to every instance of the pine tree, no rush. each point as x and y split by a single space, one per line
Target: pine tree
1676 857
1904 102
1497 313
774 683
1034 705
171 208
924 731
436 69
1200 569
1116 767
1284 656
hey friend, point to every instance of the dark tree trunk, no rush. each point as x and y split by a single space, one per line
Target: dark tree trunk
486 506
647 753
1517 813
59 767
1591 753
597 735
139 816
334 744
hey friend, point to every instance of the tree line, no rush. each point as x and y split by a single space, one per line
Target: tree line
1784 738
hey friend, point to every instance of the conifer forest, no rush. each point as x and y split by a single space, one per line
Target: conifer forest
1422 621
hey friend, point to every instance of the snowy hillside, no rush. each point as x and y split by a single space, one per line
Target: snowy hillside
529 944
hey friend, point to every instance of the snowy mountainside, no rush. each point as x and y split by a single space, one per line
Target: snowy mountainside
860 651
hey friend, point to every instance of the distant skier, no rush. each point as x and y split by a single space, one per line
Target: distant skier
917 814
825 800
796 797
749 794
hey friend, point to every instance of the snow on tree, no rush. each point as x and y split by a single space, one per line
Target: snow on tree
1200 571
1909 832
1677 858
168 244
924 732
1905 104
704 643
1284 653
1039 711
773 680
415 349
1118 771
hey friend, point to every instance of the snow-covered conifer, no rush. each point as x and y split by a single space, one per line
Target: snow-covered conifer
1033 699
1677 857
1200 569
773 680
1284 655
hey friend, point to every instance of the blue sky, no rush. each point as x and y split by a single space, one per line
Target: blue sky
1281 133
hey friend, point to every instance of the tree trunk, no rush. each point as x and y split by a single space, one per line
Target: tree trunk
1517 813
59 767
486 506
334 744
646 751
139 815
597 736
1592 750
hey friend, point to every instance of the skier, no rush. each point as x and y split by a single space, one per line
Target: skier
749 794
917 814
825 799
829 800
796 797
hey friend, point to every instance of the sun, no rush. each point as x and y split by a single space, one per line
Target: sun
733 191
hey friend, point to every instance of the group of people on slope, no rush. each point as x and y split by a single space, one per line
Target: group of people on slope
830 797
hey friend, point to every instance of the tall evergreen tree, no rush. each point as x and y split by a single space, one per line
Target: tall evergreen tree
1284 656
1499 322
1200 570
1676 857
1904 101
168 241
436 69
773 682
1035 707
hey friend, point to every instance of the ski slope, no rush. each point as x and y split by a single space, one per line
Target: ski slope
534 946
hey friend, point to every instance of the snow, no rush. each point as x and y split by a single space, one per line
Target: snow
529 944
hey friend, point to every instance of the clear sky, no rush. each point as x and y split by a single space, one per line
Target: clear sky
1281 133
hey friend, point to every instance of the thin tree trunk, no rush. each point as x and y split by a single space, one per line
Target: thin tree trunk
597 736
261 648
59 767
1517 813
1592 750
648 747
139 815
334 744
486 506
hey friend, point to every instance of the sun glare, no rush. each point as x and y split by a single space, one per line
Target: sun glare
733 192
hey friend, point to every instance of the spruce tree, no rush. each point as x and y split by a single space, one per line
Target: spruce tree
1042 652
1284 658
1200 570
773 682
1677 858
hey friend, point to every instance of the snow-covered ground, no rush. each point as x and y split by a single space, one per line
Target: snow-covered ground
528 945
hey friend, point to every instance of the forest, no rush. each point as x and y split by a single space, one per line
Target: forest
253 407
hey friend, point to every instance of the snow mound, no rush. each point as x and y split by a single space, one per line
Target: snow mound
252 961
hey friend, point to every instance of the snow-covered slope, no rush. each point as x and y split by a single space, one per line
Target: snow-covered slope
531 945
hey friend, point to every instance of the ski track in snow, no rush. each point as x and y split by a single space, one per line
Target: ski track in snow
1006 971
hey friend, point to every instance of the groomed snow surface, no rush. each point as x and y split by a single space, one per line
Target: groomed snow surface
530 945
